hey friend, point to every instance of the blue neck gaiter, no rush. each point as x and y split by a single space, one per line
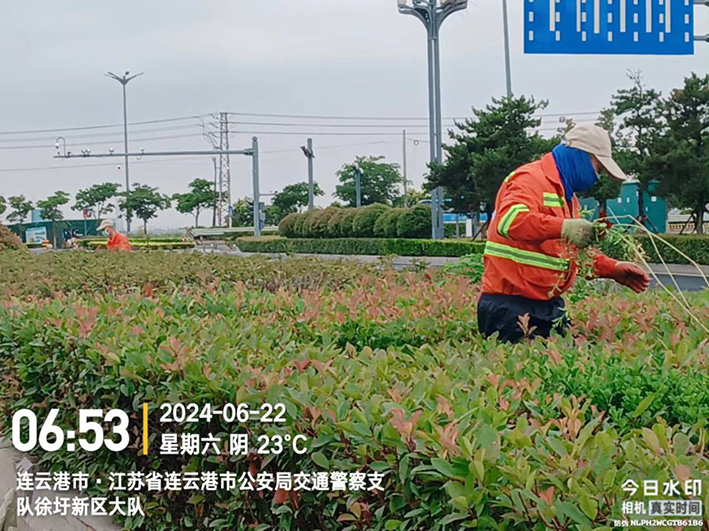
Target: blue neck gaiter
575 168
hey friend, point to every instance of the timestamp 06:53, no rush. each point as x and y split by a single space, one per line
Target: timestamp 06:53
52 437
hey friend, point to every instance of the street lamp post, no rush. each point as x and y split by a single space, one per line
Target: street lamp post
123 80
358 185
432 13
508 66
308 152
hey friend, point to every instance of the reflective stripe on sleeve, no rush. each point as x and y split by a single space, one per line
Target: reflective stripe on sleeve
553 200
526 257
506 222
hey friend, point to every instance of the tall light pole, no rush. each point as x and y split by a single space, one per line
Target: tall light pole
406 184
358 185
123 80
432 13
308 152
508 67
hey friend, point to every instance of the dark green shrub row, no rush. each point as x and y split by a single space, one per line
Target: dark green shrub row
696 247
91 242
361 246
372 221
151 245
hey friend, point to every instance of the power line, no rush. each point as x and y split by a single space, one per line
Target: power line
97 143
93 127
101 135
78 166
276 133
404 118
353 126
292 116
304 133
359 133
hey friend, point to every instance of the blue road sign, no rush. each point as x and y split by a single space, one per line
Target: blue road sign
633 27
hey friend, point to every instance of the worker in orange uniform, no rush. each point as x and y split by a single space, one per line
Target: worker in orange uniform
535 234
116 240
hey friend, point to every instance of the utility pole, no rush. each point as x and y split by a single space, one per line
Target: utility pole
224 168
406 183
123 80
308 151
214 210
256 187
508 67
358 186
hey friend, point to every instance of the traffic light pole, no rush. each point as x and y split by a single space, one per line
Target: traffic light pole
253 152
257 192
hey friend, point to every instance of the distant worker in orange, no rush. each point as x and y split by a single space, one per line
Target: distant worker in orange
116 240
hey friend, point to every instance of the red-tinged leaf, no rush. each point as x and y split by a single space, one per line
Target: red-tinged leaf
494 380
547 495
448 438
444 407
148 290
301 365
683 473
280 496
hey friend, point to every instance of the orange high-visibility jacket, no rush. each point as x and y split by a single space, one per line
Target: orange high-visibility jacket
525 254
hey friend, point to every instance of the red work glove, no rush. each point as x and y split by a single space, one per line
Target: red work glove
630 275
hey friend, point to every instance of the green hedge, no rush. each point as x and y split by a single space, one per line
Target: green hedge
152 245
696 247
365 219
385 227
91 242
371 221
228 236
360 246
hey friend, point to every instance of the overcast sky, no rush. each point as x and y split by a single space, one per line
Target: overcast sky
307 57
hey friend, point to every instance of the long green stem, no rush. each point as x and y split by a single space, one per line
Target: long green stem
655 236
683 303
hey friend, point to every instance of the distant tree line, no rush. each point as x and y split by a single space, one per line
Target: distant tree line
656 138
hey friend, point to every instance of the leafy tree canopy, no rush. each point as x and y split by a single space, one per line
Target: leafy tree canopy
486 149
95 199
143 202
380 181
200 196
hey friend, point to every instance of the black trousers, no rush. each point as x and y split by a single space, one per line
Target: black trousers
501 313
